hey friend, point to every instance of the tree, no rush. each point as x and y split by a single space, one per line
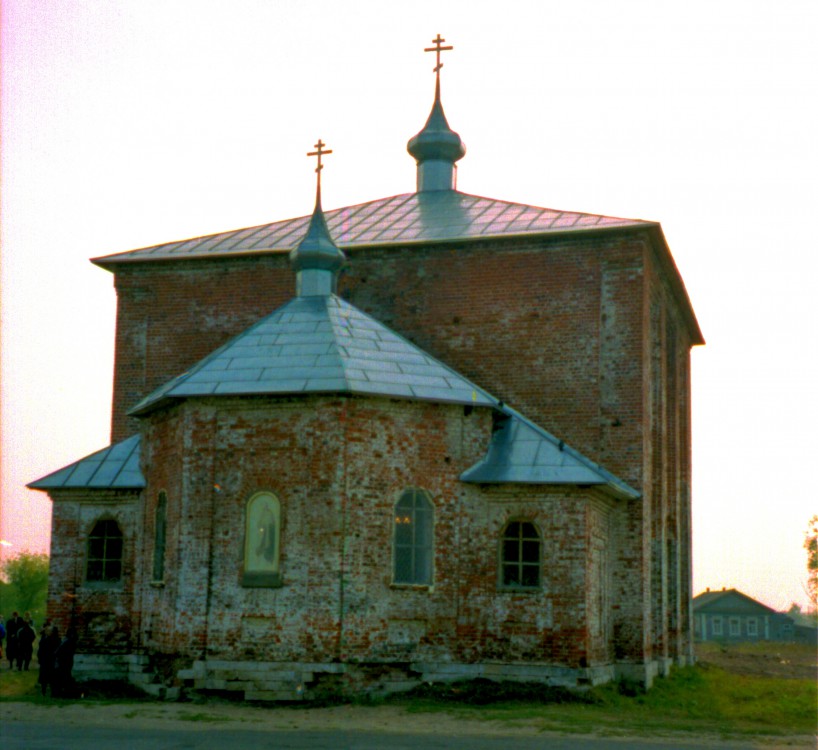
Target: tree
26 587
811 546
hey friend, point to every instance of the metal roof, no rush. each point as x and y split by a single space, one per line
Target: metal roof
521 452
727 600
323 344
115 467
430 216
320 344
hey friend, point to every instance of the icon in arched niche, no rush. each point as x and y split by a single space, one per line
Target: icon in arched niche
262 540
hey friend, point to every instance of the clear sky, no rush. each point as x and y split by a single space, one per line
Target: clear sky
127 123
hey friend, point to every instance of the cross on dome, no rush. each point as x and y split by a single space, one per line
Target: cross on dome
438 48
319 152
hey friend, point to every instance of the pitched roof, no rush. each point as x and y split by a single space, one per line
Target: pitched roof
115 467
320 344
727 600
409 218
522 452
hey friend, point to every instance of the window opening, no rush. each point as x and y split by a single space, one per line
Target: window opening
520 563
160 522
414 521
105 552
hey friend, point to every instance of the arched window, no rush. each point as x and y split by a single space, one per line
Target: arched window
414 523
160 522
104 552
262 534
520 556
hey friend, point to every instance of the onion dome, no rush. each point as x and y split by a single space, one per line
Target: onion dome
437 147
317 260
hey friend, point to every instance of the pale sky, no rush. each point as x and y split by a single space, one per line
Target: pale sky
127 123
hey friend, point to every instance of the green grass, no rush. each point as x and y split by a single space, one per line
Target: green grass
703 700
16 685
700 699
201 717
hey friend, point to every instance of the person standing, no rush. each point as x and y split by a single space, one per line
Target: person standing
11 638
46 655
25 645
2 636
64 664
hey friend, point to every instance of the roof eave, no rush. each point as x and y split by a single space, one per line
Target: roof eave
126 258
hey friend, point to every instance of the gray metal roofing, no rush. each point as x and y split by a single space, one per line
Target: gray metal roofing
727 600
431 216
115 467
320 345
521 452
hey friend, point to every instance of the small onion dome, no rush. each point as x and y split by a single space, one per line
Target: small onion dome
436 148
317 259
437 140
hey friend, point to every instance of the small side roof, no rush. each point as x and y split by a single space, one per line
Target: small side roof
320 344
115 467
521 452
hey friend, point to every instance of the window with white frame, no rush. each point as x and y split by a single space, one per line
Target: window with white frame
735 627
752 626
716 625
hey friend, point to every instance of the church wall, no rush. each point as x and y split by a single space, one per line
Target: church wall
157 597
569 309
170 315
583 334
338 466
666 503
100 611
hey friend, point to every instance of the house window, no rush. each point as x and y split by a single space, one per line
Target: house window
262 536
735 627
716 625
160 522
412 545
520 556
752 627
104 552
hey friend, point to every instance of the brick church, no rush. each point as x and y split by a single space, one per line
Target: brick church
433 436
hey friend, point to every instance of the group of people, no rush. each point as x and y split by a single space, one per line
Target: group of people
55 655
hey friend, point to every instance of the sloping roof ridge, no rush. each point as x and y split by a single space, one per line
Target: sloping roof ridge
342 303
157 394
122 457
611 479
548 208
277 234
710 597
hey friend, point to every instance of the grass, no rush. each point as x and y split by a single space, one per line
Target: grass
704 699
700 699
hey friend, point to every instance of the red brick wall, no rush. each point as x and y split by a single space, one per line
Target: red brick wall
338 465
583 335
101 612
553 328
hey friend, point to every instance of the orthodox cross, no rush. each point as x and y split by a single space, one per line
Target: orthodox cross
438 48
319 152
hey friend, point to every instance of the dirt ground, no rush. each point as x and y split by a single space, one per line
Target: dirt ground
787 660
782 661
